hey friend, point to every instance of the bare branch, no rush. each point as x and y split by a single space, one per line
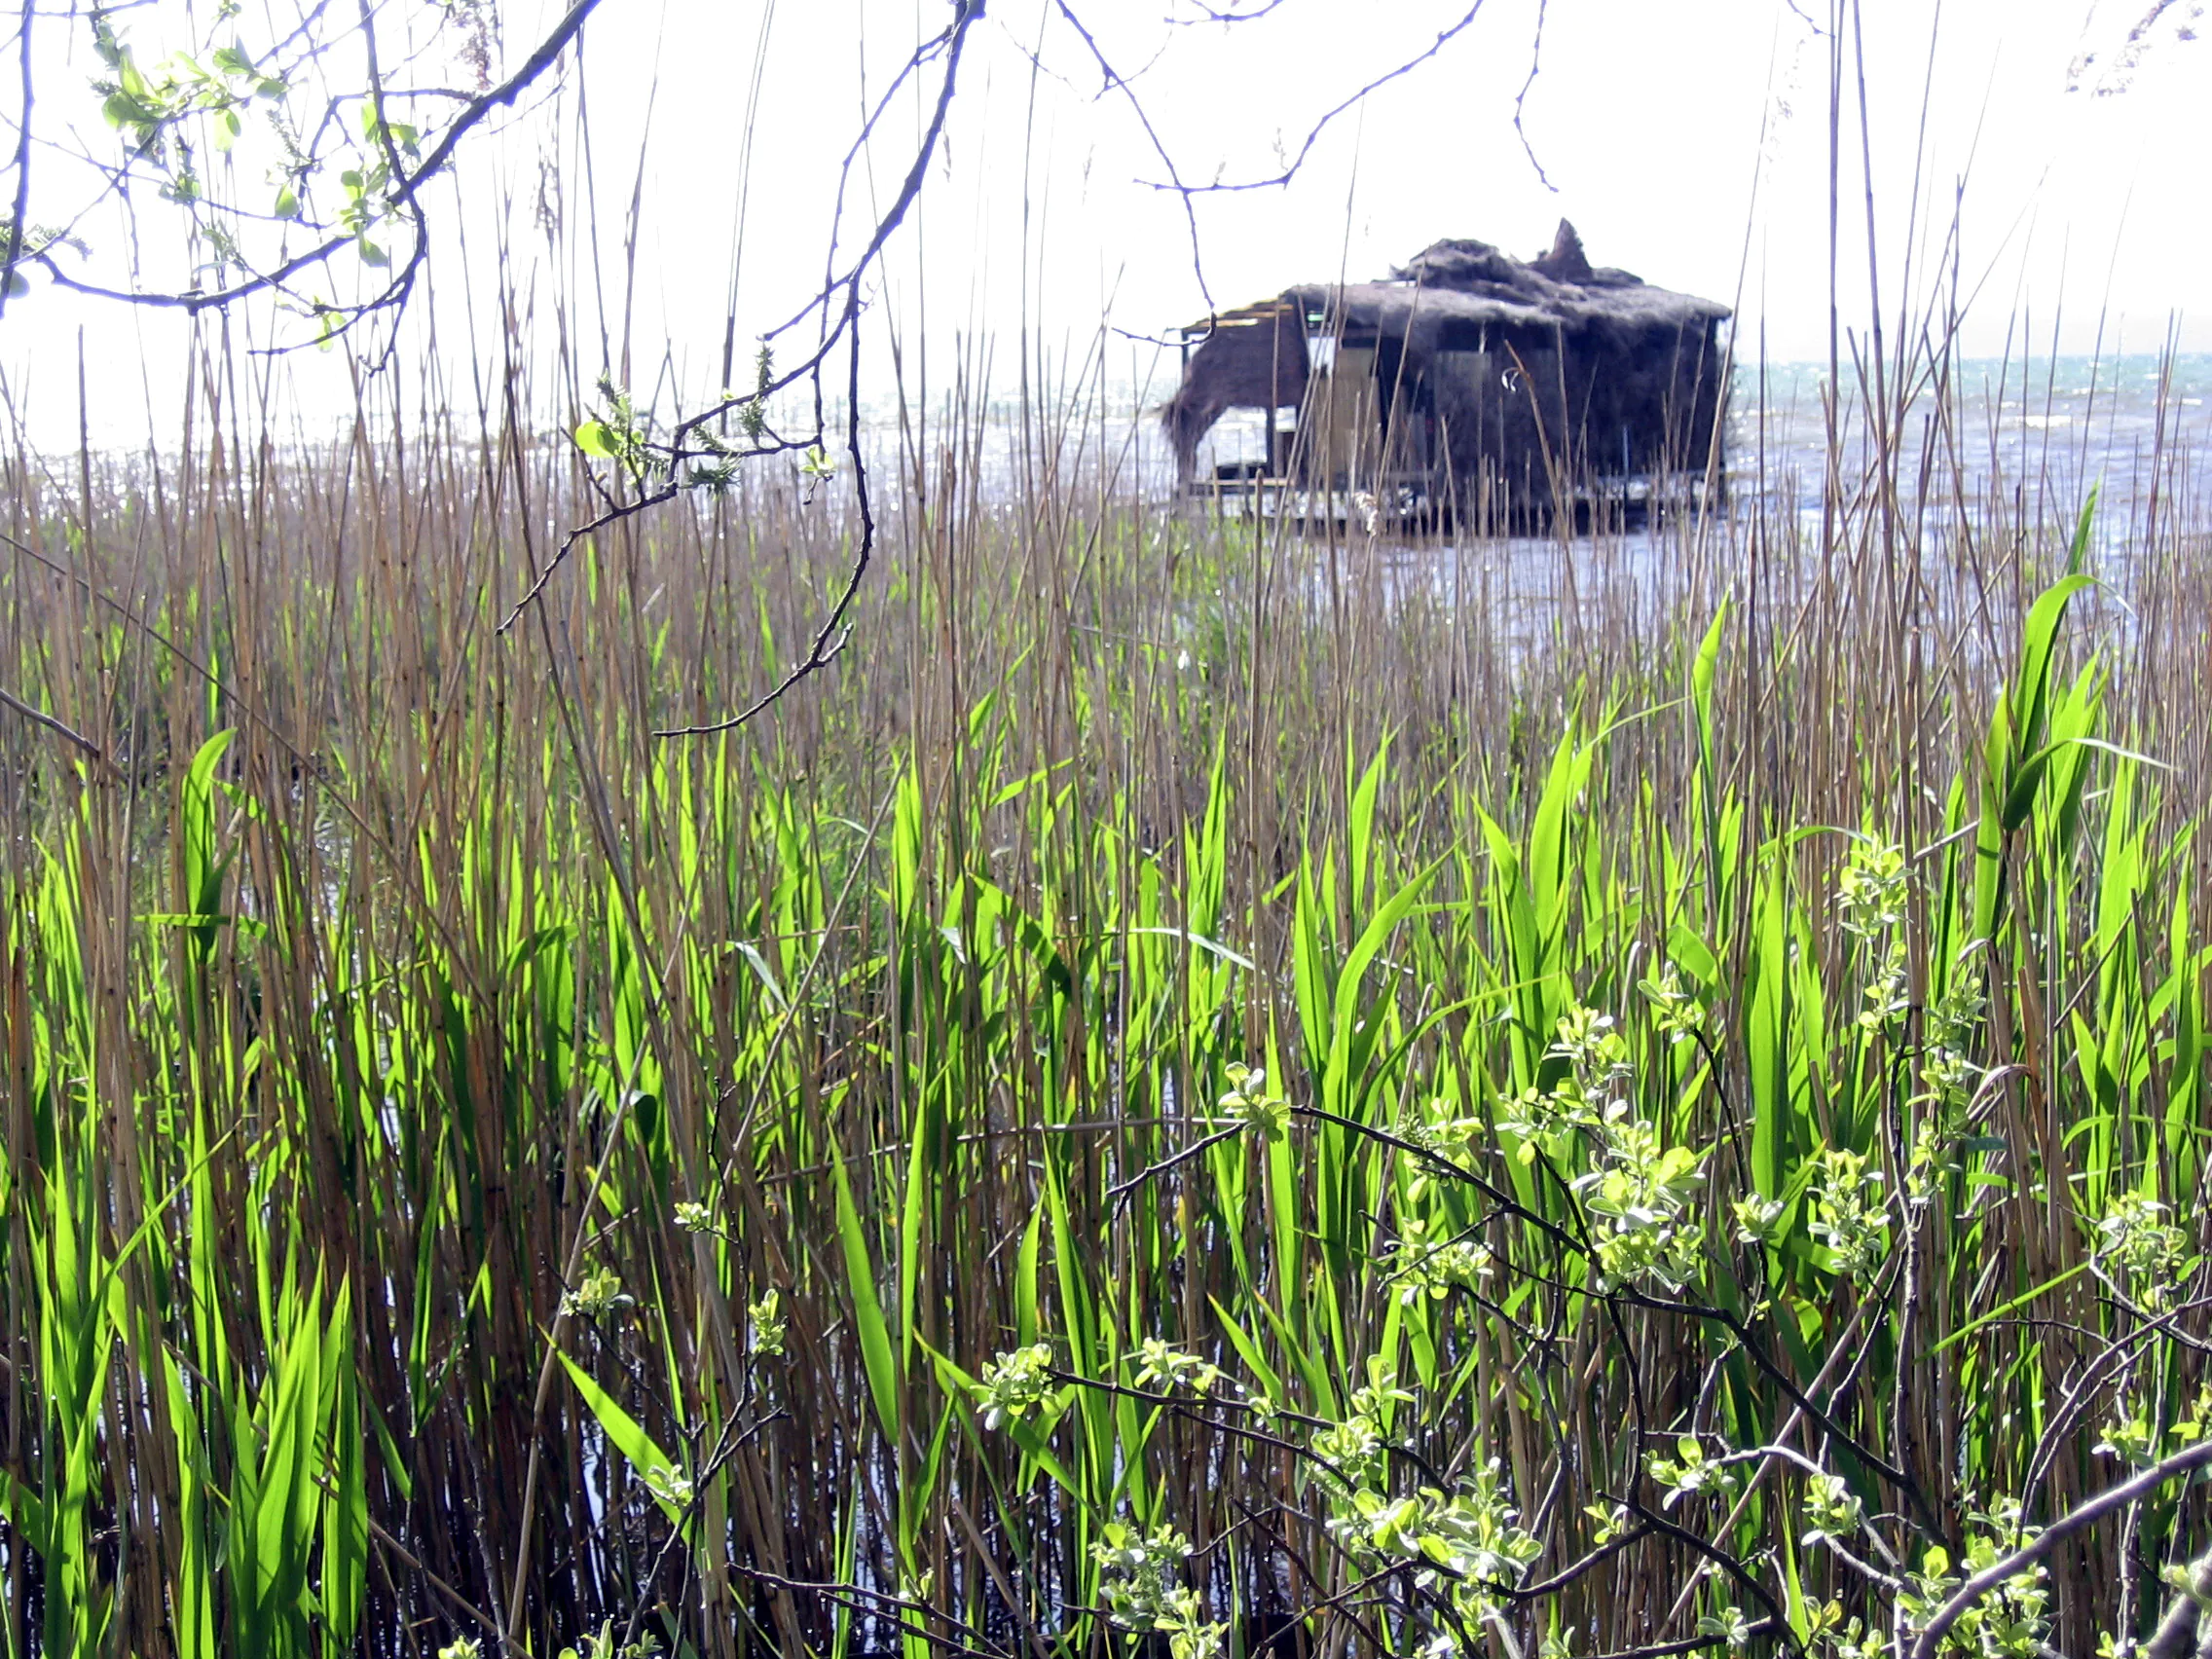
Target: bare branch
683 447
501 97
1443 39
1116 82
2081 1517
15 231
68 734
1520 99
1223 13
831 638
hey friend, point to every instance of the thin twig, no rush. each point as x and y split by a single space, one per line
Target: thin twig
504 93
2081 1517
67 733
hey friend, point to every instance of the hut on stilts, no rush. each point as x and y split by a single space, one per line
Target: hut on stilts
1470 383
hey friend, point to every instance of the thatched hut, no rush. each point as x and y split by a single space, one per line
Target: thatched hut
1468 372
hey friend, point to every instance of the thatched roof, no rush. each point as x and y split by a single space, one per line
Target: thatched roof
1467 282
1471 283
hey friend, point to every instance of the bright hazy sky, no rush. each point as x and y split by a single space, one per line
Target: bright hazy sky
1687 139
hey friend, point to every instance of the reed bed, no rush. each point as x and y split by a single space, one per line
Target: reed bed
1203 1090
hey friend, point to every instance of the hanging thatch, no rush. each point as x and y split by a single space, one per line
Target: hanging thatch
1254 359
1469 365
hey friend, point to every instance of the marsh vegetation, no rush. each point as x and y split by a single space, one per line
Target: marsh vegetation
1189 1087
1192 1087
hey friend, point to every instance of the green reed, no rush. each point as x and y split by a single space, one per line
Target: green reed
1189 1087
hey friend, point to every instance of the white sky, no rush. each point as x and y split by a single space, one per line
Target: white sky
1647 116
1687 139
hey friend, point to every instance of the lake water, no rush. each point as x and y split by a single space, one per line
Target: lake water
2032 439
2053 426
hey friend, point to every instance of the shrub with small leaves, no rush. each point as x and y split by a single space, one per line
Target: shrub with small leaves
1351 1453
1137 1574
1352 1450
1872 890
1470 1535
2130 1438
1014 1385
1442 1132
1871 895
1833 1510
1466 1547
1676 1012
2134 1237
621 433
2194 1426
2135 1438
1167 1369
1691 1473
1607 1522
1595 1052
2011 1622
1948 1077
600 1644
1947 1081
1379 1395
1730 1625
770 1325
1249 1103
1639 1196
1638 1193
599 1296
1544 1119
1190 1634
1755 1218
1538 1119
1850 1213
1852 1638
1418 1265
753 413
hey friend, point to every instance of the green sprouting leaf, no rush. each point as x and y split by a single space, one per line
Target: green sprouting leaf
288 202
227 127
2077 550
123 110
2020 799
373 256
2038 638
1025 1280
762 969
593 439
1704 670
628 1436
881 1363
